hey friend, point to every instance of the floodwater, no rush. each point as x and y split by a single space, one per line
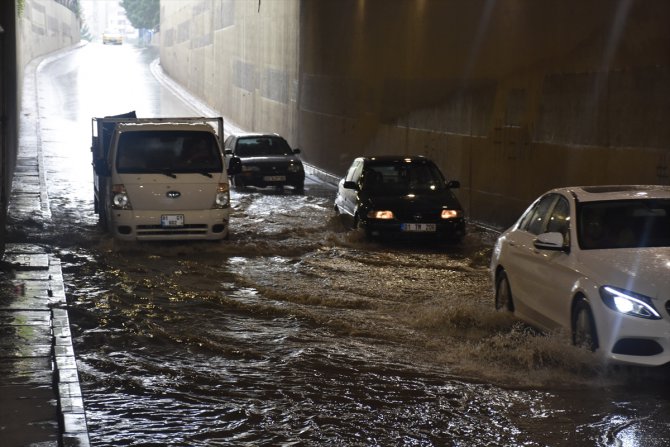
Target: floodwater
297 331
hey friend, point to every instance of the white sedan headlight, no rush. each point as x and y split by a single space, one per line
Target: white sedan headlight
629 303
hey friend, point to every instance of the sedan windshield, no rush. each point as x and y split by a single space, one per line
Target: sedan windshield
262 147
402 177
624 224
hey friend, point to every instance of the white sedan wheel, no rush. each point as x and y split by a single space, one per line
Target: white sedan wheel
584 330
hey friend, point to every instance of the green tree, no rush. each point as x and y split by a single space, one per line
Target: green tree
143 14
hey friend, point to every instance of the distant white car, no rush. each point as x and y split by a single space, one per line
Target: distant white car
593 261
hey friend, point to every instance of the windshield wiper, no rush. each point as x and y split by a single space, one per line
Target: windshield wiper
168 173
205 173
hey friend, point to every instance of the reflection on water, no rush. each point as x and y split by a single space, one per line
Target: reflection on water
342 342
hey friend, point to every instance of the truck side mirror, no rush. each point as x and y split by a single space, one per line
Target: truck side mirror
234 165
100 167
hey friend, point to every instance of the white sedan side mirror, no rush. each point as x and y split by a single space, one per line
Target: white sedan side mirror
550 241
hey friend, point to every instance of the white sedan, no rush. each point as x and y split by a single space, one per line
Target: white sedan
593 261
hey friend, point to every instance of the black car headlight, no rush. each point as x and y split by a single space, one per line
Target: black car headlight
450 214
380 214
247 168
295 167
629 303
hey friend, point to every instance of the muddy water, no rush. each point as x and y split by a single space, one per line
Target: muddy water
298 331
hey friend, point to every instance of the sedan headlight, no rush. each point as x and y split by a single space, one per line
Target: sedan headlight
629 303
380 214
450 214
250 168
120 200
295 167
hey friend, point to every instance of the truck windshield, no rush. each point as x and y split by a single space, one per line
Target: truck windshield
168 152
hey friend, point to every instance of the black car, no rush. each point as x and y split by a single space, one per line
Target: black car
401 195
266 160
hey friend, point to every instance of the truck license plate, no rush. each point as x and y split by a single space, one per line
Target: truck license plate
418 227
172 220
275 178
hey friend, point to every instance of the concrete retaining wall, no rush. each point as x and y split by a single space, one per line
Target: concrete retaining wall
511 98
240 57
45 26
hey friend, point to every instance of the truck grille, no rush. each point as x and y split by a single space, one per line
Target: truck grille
157 230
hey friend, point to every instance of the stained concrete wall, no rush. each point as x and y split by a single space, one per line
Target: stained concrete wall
510 97
45 26
240 57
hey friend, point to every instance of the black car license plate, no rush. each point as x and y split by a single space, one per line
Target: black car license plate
418 227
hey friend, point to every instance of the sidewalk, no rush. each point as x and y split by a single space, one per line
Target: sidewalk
40 397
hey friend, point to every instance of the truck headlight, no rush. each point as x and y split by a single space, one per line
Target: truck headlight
629 303
222 198
120 200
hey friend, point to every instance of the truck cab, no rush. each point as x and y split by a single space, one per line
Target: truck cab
161 178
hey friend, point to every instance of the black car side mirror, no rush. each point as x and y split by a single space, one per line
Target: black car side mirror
453 184
234 165
296 151
350 185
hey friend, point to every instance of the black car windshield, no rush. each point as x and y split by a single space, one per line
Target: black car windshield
166 151
262 147
402 177
623 224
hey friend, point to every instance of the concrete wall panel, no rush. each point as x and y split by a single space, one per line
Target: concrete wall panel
239 56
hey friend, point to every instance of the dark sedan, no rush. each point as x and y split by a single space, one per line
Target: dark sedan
266 160
401 195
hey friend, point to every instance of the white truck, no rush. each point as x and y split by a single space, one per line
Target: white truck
161 178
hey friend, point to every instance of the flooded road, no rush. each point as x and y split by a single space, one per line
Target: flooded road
297 331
